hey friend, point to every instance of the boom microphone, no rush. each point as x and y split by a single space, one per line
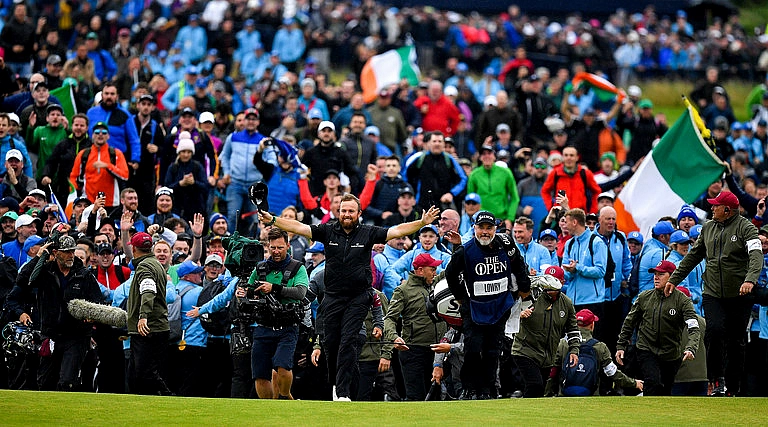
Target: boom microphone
85 310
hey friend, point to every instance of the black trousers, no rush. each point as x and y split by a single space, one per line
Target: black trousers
482 346
242 378
61 370
111 375
417 371
217 375
611 321
192 371
534 377
658 375
598 309
148 354
754 382
725 338
341 318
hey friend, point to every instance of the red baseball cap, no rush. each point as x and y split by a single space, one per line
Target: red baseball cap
725 198
663 266
556 272
684 290
425 260
142 241
585 317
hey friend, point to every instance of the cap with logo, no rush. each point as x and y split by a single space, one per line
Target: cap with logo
485 217
325 124
14 154
679 236
103 247
101 125
214 258
547 234
37 192
555 271
405 190
687 212
663 266
636 236
695 231
502 127
315 113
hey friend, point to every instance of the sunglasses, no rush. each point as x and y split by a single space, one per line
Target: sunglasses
540 166
100 132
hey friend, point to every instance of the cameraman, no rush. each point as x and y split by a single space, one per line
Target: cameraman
274 344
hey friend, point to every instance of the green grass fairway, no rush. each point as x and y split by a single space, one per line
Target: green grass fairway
40 408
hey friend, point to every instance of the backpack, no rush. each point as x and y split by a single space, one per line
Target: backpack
610 265
217 323
174 316
84 162
581 380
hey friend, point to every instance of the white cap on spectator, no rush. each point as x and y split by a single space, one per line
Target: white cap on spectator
14 118
206 117
490 100
327 124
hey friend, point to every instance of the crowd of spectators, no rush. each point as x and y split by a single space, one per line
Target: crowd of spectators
183 105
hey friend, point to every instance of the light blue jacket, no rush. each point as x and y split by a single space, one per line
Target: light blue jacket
252 66
694 282
175 92
382 262
586 285
246 43
194 42
5 147
620 255
398 271
653 252
483 88
536 256
237 157
290 44
194 334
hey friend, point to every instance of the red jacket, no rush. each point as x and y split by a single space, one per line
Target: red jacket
574 188
441 115
109 277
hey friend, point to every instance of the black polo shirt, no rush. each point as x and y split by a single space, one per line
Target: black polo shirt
348 256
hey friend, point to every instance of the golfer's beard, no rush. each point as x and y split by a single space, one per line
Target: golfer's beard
347 225
484 241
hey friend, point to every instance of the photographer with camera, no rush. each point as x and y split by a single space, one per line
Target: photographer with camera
277 287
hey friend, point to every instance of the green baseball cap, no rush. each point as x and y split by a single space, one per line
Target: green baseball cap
645 103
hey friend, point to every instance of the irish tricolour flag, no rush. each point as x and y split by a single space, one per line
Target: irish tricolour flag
388 68
677 171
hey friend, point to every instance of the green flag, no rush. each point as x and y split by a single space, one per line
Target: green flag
66 96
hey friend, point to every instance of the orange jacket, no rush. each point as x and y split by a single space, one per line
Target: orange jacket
609 140
100 179
574 188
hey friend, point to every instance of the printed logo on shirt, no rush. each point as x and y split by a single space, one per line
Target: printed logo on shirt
733 238
562 313
672 311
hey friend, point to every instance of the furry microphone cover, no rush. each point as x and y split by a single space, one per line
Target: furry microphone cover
85 310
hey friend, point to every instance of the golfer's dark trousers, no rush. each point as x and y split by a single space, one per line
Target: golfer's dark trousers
725 338
341 317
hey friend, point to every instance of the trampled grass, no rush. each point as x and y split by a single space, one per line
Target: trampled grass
41 408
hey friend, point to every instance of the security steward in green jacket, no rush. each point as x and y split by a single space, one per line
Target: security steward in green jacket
419 331
551 317
660 320
734 256
148 317
586 321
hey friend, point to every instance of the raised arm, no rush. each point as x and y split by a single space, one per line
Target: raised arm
407 228
289 225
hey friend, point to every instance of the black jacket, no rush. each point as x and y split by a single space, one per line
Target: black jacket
52 298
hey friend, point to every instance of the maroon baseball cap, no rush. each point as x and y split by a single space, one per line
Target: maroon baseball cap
585 317
252 112
555 272
663 266
684 290
725 198
425 260
142 241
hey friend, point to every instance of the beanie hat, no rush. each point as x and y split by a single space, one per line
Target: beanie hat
185 144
